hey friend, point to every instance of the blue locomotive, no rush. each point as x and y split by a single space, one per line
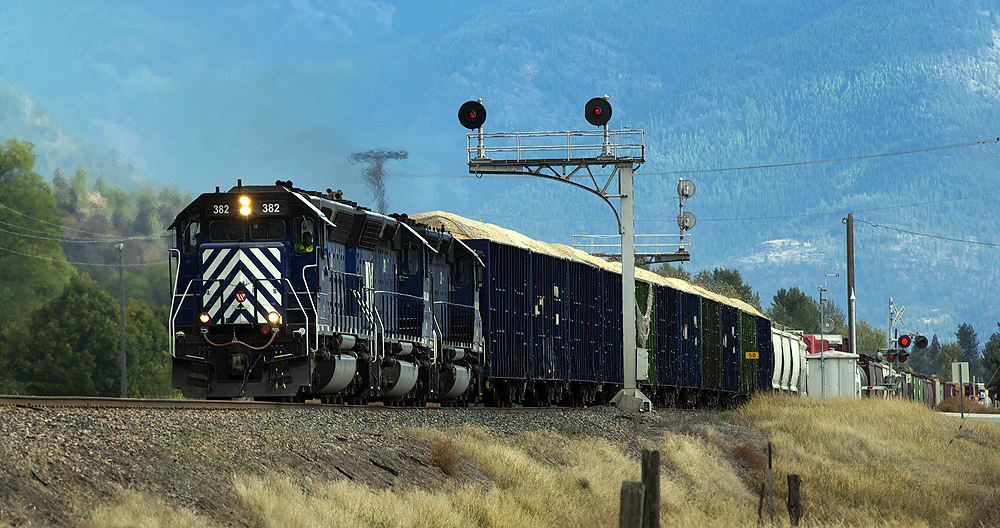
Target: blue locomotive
283 294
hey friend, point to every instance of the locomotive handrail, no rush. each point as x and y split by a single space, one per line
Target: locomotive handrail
299 302
173 317
347 289
379 324
173 294
392 294
449 335
375 319
311 305
437 332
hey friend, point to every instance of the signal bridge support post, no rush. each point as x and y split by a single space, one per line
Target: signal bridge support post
630 397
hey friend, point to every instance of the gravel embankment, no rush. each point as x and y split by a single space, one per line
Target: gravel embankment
56 463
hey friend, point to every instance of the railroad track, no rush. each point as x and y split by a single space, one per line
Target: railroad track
136 403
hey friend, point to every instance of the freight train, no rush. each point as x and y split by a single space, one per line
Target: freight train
283 294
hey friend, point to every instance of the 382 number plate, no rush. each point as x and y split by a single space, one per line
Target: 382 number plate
272 208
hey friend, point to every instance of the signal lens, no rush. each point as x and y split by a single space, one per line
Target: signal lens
905 341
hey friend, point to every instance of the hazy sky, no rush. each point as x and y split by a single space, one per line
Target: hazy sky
202 93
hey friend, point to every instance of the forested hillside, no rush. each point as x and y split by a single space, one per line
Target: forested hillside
59 302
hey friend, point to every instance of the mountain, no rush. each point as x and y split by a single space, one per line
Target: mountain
288 90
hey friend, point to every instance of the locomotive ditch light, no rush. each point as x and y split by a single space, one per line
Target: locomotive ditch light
274 318
204 318
245 205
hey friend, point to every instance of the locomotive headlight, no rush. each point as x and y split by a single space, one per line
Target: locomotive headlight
245 205
273 318
204 318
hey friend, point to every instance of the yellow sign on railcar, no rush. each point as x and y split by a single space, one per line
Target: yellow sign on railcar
753 355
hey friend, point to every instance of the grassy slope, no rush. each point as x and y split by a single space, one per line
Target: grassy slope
863 463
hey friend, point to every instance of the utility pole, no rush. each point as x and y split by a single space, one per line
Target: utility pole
121 306
852 329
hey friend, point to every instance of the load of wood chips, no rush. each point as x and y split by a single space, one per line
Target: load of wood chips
466 229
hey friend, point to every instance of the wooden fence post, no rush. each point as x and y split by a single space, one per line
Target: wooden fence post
651 482
630 515
794 499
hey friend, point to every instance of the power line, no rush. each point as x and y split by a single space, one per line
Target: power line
831 160
46 222
745 167
80 263
777 217
928 236
102 238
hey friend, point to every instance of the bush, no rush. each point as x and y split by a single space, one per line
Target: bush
953 404
443 455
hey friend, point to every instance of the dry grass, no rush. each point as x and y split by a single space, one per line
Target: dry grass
863 463
882 460
443 456
135 510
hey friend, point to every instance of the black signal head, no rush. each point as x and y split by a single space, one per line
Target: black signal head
598 111
472 115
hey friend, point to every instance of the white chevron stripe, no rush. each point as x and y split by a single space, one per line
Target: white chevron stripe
256 271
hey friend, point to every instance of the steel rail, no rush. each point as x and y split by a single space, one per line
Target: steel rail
183 404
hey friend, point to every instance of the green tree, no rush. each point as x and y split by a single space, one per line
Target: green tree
794 309
78 186
991 359
969 341
870 338
31 261
673 272
727 282
70 344
950 352
148 360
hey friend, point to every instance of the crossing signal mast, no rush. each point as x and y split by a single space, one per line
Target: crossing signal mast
561 156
